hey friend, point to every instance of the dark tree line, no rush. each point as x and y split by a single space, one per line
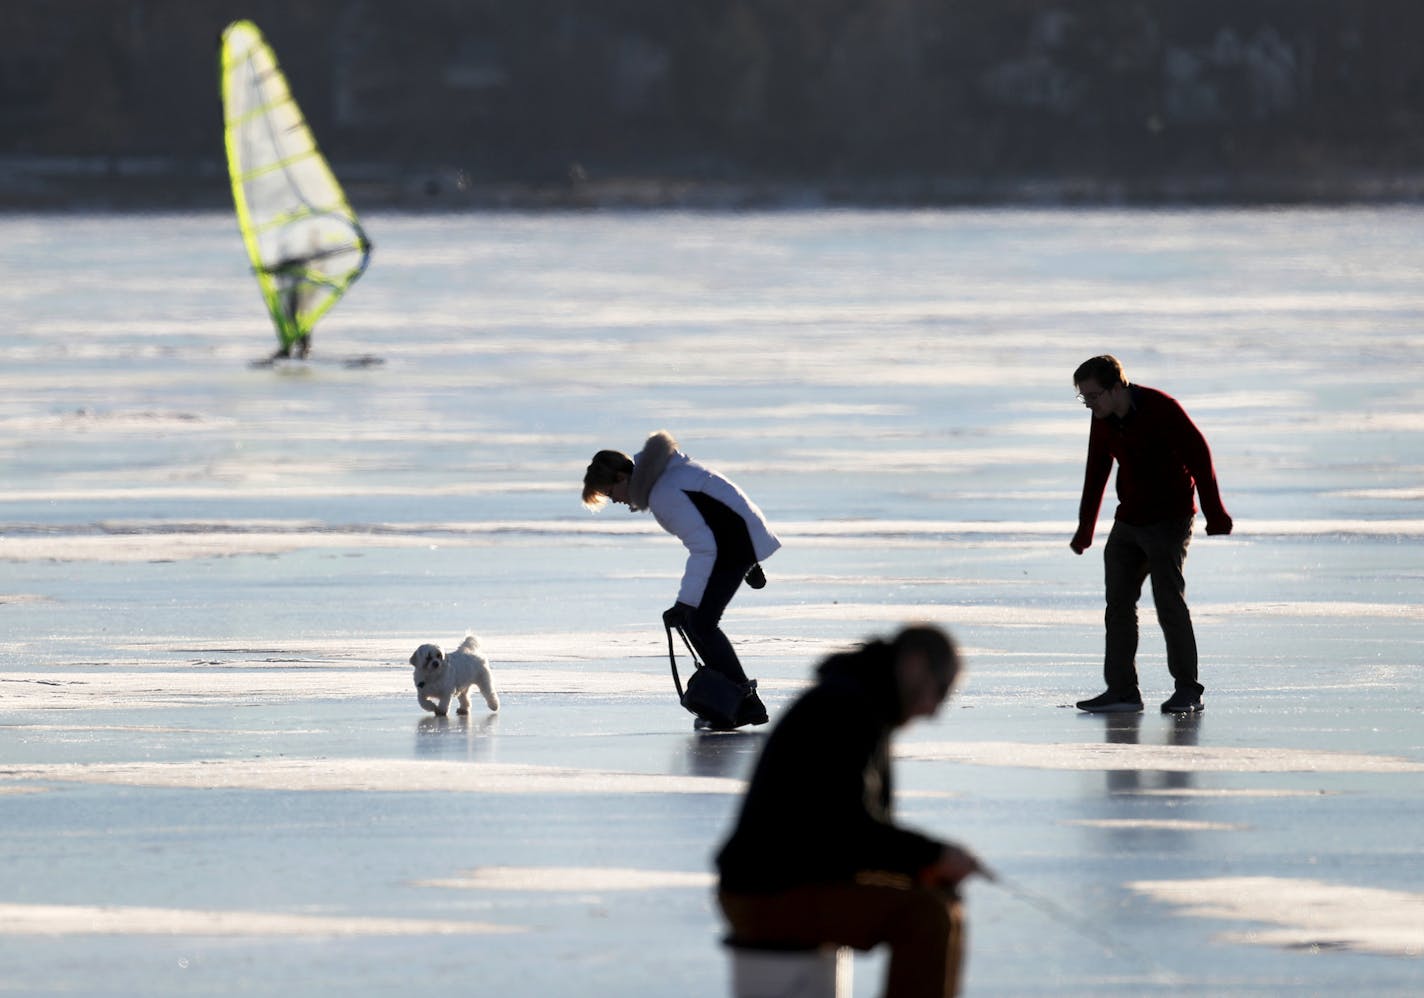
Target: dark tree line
798 90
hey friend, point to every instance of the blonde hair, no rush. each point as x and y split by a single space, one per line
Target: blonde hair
602 475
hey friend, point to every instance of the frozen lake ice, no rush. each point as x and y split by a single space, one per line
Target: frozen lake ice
214 777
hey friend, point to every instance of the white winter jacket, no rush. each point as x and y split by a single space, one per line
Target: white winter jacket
662 478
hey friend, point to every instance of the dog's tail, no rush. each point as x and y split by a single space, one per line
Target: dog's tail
471 646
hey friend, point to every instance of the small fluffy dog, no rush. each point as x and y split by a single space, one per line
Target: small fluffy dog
440 676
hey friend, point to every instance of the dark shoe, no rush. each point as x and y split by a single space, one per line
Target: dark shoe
1111 703
751 710
706 724
1183 702
756 578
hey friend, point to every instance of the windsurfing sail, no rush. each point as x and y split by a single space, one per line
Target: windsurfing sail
305 242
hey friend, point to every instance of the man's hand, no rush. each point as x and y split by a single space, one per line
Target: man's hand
677 615
1081 541
952 866
1217 525
756 578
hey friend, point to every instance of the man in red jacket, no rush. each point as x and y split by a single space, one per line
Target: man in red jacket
1161 458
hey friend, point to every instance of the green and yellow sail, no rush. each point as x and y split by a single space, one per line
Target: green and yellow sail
305 242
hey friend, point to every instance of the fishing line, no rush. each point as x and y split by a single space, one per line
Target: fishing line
1077 923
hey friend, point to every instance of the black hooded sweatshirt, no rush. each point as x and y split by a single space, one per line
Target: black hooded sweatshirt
818 807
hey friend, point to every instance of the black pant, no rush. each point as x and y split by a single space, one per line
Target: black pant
735 557
1132 555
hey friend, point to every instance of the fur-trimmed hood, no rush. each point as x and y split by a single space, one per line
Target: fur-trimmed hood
669 484
648 467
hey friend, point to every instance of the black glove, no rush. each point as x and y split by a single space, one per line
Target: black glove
756 578
677 615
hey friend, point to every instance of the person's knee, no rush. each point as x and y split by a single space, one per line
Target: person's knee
1170 604
697 632
704 621
929 915
1121 614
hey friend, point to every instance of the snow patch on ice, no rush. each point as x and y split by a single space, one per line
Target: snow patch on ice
377 775
160 541
1166 758
1223 792
288 681
570 878
1155 824
1313 915
119 920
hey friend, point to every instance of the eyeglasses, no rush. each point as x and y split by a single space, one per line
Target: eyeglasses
1088 398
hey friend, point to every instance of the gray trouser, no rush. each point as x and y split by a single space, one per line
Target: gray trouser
1131 555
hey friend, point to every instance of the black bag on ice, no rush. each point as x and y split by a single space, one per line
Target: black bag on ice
713 696
709 693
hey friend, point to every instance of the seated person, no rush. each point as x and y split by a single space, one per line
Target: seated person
815 857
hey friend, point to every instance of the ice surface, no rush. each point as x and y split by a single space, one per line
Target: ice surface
214 777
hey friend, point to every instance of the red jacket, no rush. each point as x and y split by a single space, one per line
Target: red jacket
1161 456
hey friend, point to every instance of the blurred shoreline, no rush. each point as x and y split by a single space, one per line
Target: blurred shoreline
143 184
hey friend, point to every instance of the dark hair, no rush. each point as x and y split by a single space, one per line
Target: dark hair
935 644
602 473
875 659
1105 369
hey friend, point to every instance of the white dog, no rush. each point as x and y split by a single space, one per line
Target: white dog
442 676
